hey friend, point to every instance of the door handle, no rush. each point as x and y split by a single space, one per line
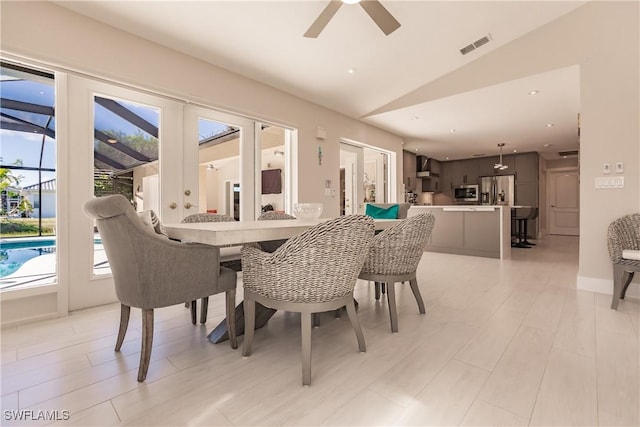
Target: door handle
189 205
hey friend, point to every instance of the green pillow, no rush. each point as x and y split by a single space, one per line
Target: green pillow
382 213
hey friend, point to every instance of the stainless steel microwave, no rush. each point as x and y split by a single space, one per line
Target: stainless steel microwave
466 194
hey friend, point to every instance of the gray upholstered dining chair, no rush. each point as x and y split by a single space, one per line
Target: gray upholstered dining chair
394 256
623 235
312 272
152 271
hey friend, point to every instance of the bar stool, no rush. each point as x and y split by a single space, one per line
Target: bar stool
533 214
521 230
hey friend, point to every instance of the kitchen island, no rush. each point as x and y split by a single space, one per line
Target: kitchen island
469 230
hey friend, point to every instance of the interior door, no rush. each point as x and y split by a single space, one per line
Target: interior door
563 193
352 160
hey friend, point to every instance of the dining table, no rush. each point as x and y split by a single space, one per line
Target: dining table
224 234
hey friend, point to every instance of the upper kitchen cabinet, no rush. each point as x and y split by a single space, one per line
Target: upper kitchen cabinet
409 176
527 167
485 165
510 161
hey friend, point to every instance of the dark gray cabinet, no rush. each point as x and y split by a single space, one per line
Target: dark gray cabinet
431 184
409 177
526 166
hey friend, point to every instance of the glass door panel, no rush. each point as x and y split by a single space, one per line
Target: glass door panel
28 189
125 158
220 147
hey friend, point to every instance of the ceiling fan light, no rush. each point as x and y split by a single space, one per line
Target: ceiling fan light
503 167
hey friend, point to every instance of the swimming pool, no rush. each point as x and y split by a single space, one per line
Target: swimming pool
15 253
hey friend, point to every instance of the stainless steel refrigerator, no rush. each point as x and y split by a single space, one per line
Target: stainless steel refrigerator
497 190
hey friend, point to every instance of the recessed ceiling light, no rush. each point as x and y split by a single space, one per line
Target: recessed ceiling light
446 158
352 70
564 157
415 118
452 130
547 145
550 125
350 1
416 149
533 92
515 151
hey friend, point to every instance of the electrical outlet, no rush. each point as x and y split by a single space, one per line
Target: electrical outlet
606 168
619 167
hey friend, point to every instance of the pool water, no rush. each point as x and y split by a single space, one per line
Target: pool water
14 254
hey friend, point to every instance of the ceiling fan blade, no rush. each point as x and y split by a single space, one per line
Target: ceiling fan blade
381 16
323 19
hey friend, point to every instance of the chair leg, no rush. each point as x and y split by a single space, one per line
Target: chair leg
376 286
147 342
230 298
249 325
305 326
621 281
194 308
204 307
315 320
627 283
416 293
382 287
393 311
618 277
125 310
355 323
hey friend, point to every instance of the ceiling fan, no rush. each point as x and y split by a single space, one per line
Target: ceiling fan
381 16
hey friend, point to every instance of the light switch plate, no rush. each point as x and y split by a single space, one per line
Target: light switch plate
619 167
606 168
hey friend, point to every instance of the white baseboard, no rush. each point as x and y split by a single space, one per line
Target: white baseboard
605 286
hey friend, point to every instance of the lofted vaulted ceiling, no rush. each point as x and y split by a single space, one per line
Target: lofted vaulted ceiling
391 75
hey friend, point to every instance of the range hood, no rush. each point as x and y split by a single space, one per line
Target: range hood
423 166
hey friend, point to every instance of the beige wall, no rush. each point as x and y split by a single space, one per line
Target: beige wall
45 32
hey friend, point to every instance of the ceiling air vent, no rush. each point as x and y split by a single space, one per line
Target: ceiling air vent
476 44
568 153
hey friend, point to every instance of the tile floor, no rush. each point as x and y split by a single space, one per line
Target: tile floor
503 343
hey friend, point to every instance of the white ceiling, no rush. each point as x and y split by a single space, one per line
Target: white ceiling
263 41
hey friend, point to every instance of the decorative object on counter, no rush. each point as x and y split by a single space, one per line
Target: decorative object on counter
394 256
500 166
403 208
623 235
377 212
307 211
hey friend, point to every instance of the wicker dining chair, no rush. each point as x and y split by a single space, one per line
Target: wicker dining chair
623 234
229 258
312 272
272 245
152 271
394 256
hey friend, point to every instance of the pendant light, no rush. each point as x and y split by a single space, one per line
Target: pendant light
500 166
